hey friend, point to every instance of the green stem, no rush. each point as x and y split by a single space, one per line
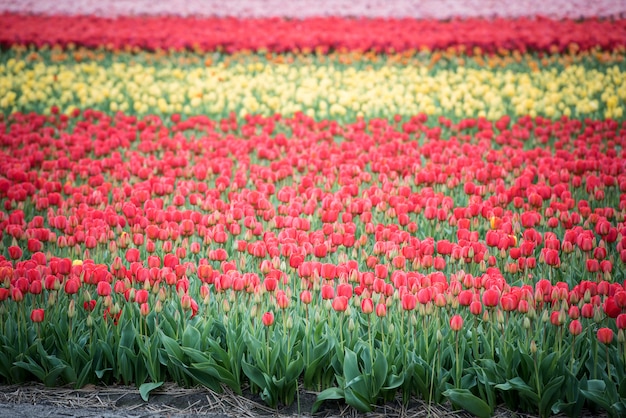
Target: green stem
537 380
458 363
571 363
608 361
267 349
492 319
595 359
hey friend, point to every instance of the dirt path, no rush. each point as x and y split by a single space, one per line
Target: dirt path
170 401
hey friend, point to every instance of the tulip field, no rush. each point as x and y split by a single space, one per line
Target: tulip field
371 207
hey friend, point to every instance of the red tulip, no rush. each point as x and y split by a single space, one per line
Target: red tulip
185 302
305 297
282 301
575 327
132 255
476 307
328 292
144 309
465 297
491 297
605 335
71 286
103 289
367 306
573 312
15 252
37 315
345 289
141 296
610 307
270 284
620 321
89 305
555 319
409 301
381 310
35 287
456 323
268 319
587 310
340 303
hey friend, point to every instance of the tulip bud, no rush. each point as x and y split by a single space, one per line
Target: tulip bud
486 316
533 347
52 299
144 309
225 306
89 321
526 323
500 316
351 325
71 309
597 315
439 336
158 306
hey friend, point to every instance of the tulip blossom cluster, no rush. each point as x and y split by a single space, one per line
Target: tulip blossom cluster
360 207
272 220
320 34
321 90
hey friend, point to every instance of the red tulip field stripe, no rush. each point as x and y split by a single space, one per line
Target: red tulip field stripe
196 241
312 34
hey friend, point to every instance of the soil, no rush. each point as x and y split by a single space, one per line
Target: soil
170 401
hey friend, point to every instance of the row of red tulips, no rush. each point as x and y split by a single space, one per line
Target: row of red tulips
324 243
313 34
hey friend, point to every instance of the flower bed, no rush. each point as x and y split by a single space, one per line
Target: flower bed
444 224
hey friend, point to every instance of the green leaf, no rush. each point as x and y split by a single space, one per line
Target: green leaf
326 395
294 369
357 400
32 367
394 381
146 388
172 347
253 373
622 388
350 365
595 393
379 373
194 355
550 395
224 376
128 336
191 337
517 384
100 372
51 377
82 378
463 398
